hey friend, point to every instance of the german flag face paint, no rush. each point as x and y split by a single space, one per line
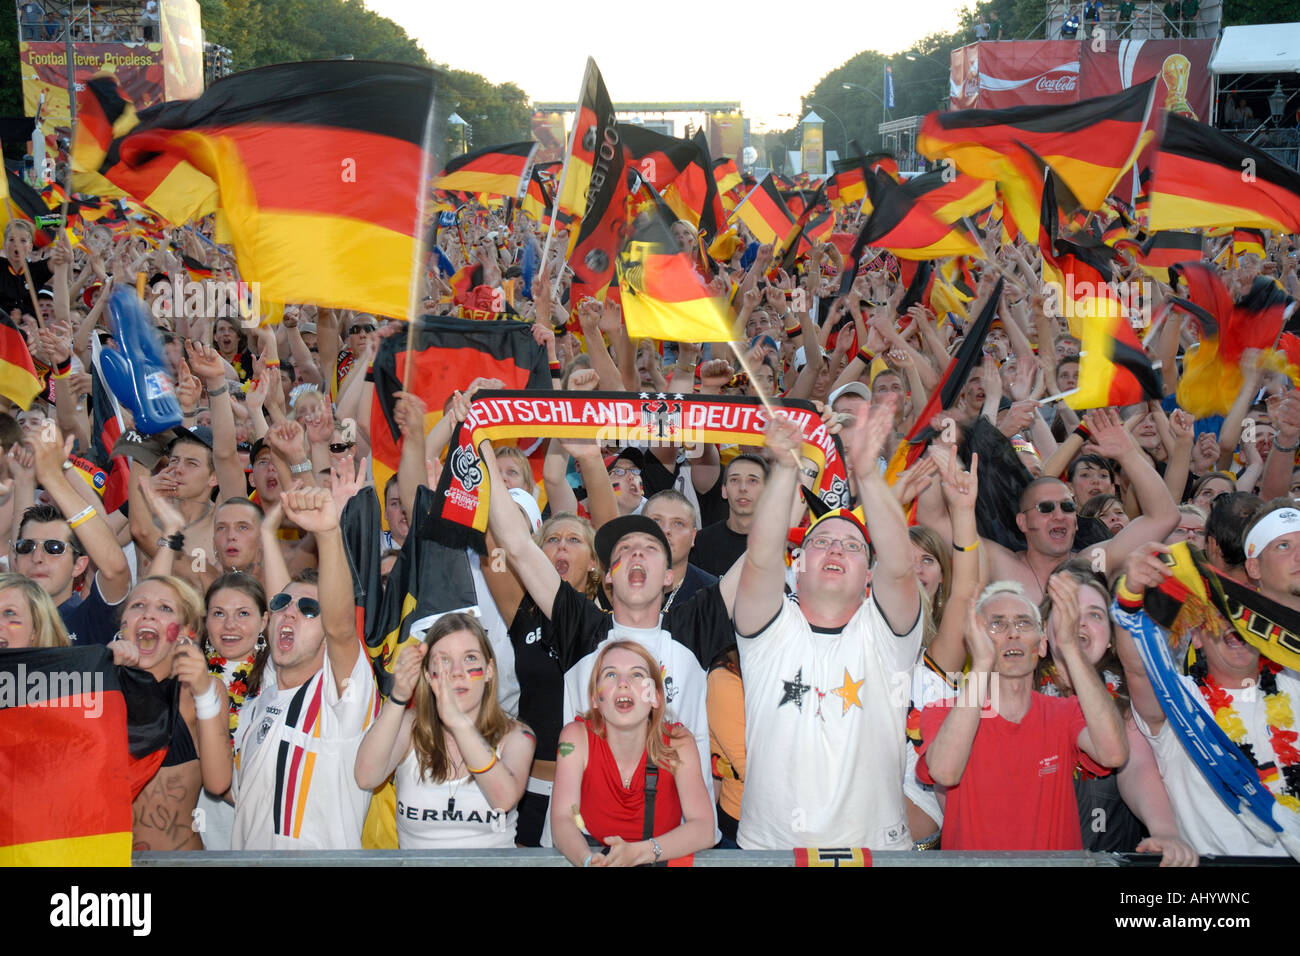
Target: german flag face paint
474 673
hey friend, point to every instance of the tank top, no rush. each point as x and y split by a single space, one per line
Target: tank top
453 814
610 809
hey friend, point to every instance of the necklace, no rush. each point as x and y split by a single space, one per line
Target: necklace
1283 774
234 674
1024 556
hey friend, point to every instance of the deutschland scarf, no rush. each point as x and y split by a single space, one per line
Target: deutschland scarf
619 419
1224 767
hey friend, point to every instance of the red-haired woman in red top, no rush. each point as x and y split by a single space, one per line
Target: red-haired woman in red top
612 756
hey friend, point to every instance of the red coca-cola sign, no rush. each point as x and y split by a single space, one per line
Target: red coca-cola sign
1062 83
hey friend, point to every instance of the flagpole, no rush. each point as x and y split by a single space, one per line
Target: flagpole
568 155
419 254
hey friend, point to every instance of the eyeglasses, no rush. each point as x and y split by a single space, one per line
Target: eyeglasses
310 607
340 447
358 329
620 472
1000 625
1047 507
847 545
51 545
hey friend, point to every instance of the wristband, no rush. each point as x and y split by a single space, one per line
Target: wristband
1280 447
867 357
587 861
1126 596
275 364
794 330
556 368
484 769
1083 432
218 391
399 702
176 541
968 548
81 517
207 704
63 369
301 468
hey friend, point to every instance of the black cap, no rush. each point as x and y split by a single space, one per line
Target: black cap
259 446
612 532
199 435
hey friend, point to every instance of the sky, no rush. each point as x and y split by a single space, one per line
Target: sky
751 52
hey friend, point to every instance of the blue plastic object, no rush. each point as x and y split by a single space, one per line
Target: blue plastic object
137 372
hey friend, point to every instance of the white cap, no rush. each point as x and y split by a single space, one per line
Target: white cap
852 388
526 501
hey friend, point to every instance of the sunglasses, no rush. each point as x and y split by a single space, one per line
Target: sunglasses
51 545
1047 507
358 329
340 447
310 607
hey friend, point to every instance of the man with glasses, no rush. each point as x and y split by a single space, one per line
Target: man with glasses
625 477
827 676
297 741
55 544
1001 743
361 333
1048 520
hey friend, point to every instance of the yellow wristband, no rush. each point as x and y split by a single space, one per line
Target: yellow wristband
485 769
1124 594
968 548
81 517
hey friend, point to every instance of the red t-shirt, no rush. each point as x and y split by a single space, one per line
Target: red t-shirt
1017 792
610 809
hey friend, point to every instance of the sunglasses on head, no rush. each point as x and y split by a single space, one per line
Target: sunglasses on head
309 607
51 545
340 447
358 329
1047 507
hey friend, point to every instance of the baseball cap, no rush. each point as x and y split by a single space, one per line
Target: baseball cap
612 532
852 388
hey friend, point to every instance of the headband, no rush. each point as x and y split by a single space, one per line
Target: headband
1271 527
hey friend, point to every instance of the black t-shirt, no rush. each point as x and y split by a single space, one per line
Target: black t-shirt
13 287
656 477
717 548
541 679
89 620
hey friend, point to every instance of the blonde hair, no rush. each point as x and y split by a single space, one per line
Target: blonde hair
192 611
658 749
47 625
594 577
510 451
427 734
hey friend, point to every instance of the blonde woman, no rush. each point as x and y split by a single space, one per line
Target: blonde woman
615 759
461 761
28 617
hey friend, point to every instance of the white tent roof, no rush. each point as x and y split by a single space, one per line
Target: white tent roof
1259 48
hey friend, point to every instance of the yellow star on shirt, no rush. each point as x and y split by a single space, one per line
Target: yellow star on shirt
848 692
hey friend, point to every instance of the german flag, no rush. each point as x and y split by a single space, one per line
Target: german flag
537 202
1248 242
66 757
693 195
848 180
281 143
657 157
663 295
449 354
21 201
497 170
1212 373
119 154
764 213
1200 180
18 379
1161 250
594 127
901 220
727 178
1089 144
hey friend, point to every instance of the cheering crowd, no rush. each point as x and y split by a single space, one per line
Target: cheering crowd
673 647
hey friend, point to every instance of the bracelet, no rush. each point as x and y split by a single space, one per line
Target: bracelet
1280 447
968 548
1124 594
587 861
81 517
1083 432
399 702
175 541
275 364
301 468
485 769
207 704
63 369
556 368
218 391
867 357
67 465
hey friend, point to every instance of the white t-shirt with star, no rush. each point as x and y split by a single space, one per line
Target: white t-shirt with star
825 730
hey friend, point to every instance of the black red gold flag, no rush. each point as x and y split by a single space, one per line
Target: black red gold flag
1163 249
496 170
287 151
901 220
449 354
1203 178
18 380
1089 144
764 213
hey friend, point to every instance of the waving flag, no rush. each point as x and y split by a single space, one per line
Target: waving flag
764 213
497 170
1204 178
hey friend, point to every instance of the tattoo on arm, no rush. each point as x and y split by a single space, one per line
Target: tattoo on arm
565 749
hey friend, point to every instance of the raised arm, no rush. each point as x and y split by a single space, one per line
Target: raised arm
959 487
762 576
510 528
389 737
946 755
1159 510
207 364
1142 570
313 510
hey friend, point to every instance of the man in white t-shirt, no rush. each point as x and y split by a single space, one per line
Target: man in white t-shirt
297 741
827 676
1231 666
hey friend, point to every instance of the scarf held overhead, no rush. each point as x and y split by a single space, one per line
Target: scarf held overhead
621 419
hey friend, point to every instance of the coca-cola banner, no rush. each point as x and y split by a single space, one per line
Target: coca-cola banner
1046 72
996 75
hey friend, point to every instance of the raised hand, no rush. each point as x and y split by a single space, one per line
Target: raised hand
347 478
409 411
960 487
584 380
406 672
206 363
1109 435
783 439
870 432
1144 569
311 509
189 390
190 666
287 439
915 480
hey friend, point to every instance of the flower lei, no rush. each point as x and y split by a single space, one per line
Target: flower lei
1280 718
234 674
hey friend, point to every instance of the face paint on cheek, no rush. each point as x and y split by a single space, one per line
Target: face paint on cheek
475 673
614 568
173 632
